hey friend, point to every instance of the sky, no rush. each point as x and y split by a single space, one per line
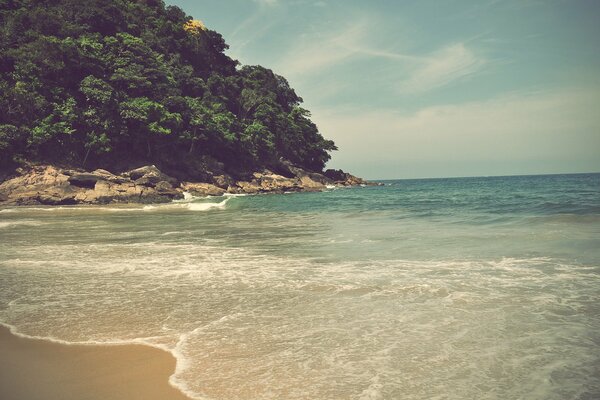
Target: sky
415 89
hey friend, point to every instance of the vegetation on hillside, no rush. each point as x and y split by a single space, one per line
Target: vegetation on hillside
101 83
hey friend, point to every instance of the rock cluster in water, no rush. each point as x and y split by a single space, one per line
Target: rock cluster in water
51 185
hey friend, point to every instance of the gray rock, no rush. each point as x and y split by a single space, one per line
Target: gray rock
148 181
248 187
301 173
343 178
163 186
223 181
84 180
202 189
56 198
151 176
53 186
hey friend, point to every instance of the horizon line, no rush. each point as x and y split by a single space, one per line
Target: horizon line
483 176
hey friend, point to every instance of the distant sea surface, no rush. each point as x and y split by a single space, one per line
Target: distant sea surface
466 288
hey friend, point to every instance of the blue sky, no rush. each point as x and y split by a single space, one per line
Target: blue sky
432 88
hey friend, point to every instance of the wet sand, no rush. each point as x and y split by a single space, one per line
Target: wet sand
36 369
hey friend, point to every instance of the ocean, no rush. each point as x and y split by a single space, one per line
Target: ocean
462 288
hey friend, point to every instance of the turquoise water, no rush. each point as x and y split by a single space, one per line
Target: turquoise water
478 288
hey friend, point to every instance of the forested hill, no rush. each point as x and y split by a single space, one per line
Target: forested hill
112 83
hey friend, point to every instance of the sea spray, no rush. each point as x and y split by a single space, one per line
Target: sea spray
208 206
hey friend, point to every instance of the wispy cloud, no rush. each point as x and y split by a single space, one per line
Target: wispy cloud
413 73
441 68
253 27
267 2
313 54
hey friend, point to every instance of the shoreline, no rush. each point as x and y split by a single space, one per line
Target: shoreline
36 368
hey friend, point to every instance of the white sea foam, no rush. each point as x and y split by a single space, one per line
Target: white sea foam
373 391
207 206
107 342
307 307
66 209
191 203
10 224
235 195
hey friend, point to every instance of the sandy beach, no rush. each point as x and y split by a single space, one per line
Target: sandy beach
37 369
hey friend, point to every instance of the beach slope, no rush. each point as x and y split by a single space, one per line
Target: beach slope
37 369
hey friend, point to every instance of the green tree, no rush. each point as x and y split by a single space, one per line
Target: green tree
109 82
145 119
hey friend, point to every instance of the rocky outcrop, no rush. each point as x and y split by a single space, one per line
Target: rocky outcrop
149 175
49 185
267 182
270 182
314 178
85 180
340 177
223 181
42 185
202 189
54 186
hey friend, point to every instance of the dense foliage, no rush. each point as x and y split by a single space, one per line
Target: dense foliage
97 82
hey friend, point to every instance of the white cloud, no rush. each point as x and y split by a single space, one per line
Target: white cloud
314 53
412 73
522 133
267 2
441 68
255 26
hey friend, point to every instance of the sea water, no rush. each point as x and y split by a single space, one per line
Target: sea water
467 288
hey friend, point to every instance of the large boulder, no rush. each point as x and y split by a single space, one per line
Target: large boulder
109 176
252 187
298 172
106 192
38 185
56 197
202 189
84 180
310 184
336 175
223 181
270 184
266 182
149 175
343 178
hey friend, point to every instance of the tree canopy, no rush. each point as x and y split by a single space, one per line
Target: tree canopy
93 83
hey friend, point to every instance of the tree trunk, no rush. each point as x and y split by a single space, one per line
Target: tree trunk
87 153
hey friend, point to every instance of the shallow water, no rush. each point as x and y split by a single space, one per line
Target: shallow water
482 288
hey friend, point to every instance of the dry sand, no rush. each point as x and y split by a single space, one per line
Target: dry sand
36 369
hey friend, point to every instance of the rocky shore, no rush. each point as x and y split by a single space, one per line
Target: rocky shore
52 185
